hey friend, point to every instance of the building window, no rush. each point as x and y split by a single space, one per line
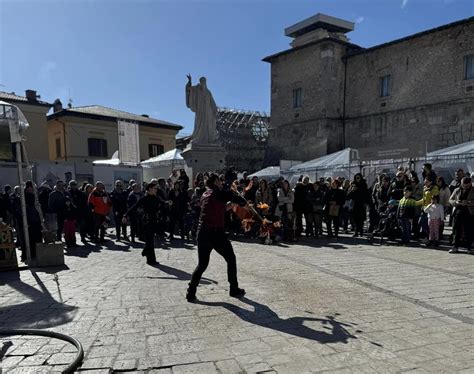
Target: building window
385 86
155 150
97 147
297 98
58 148
469 67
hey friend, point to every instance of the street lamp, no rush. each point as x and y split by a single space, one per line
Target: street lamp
18 124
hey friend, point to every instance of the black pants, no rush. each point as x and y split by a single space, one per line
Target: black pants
99 228
120 228
60 221
462 229
332 221
179 218
150 230
207 241
136 230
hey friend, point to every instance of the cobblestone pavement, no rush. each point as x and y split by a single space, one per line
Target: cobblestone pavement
345 307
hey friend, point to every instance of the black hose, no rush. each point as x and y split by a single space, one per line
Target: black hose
51 334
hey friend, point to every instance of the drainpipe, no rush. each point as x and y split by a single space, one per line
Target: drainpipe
64 138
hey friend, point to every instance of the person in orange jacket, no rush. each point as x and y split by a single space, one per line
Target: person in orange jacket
101 204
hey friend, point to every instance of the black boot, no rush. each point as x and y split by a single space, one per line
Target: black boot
236 292
191 294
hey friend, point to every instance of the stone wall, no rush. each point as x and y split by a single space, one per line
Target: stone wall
430 105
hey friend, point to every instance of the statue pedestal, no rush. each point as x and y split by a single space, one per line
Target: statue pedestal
201 158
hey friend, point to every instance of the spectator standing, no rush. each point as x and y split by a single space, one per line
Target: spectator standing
101 204
462 200
284 210
435 212
135 216
406 214
359 194
178 209
429 190
57 204
119 198
333 202
316 198
302 206
79 202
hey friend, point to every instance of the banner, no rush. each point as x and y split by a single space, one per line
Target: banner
128 141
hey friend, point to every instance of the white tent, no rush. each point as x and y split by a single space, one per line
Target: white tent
172 157
343 163
113 161
108 171
270 173
162 166
454 157
458 149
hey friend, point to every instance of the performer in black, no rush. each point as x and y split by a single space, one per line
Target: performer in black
211 235
151 204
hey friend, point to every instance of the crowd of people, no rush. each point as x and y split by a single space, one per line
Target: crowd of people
406 207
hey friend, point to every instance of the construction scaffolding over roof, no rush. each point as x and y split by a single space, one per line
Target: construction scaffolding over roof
244 135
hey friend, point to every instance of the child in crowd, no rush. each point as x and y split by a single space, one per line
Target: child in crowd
406 214
435 213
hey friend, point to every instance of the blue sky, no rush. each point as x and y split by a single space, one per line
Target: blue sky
133 55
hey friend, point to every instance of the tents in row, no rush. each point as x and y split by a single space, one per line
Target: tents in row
160 166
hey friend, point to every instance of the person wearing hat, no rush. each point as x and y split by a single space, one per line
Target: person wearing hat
396 188
151 205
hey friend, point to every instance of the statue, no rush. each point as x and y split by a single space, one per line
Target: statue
199 99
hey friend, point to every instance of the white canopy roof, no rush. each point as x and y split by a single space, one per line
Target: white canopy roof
458 149
341 158
113 161
172 157
271 173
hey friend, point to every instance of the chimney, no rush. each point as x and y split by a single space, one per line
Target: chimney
57 106
31 95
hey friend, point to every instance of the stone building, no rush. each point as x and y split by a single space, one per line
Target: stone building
399 99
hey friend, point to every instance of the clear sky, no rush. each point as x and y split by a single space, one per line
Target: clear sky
134 55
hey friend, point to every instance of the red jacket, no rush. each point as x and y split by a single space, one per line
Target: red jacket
213 203
100 202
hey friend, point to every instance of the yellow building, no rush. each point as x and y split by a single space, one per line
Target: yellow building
37 134
88 133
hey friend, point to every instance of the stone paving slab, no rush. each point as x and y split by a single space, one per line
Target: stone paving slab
314 306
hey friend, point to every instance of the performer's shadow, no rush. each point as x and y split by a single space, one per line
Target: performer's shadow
261 315
179 274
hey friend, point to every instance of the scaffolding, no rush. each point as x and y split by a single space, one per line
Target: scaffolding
244 135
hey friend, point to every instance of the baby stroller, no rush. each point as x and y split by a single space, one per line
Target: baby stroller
388 224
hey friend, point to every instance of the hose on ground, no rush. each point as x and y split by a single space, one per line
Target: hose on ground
56 335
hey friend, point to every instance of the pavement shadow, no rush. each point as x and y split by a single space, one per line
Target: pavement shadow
43 311
83 250
332 331
178 274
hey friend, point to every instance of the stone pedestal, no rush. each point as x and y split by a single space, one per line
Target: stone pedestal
201 158
51 254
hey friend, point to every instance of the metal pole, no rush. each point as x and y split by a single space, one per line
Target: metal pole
23 204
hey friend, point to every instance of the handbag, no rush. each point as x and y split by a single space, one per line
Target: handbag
333 211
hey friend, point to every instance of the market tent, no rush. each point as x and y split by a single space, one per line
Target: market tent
163 165
344 163
172 157
458 149
113 161
270 173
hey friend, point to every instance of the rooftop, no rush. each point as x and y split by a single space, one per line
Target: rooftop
14 98
319 21
110 114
